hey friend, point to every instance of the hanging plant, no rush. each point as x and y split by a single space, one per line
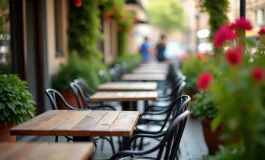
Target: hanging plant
115 10
78 3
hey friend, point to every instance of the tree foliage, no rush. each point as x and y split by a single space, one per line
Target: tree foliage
166 14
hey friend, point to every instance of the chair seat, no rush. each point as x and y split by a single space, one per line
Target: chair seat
136 157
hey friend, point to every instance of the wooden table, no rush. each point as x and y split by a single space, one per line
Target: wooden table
144 77
128 86
149 71
79 123
46 151
123 96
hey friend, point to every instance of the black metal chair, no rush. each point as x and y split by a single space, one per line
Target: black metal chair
102 75
150 124
165 102
54 96
168 146
79 92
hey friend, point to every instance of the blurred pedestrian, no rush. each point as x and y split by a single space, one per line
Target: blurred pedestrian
145 50
160 49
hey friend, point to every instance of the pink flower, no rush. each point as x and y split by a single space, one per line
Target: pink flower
234 56
257 38
204 80
261 31
257 74
242 24
223 34
78 3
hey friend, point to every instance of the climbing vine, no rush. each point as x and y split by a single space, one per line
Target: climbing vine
217 10
115 10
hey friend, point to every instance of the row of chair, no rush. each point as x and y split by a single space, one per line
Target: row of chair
163 120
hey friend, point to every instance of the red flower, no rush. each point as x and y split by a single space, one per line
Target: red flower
118 28
116 6
257 38
123 16
258 74
261 31
223 34
234 56
78 3
204 80
108 19
242 24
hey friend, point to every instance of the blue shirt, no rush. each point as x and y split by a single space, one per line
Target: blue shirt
144 51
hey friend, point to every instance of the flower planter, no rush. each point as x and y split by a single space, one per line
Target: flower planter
212 138
4 132
70 99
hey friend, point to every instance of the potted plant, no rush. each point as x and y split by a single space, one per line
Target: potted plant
192 67
203 108
239 93
16 104
76 68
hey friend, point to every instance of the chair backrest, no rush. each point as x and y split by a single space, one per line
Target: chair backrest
85 87
171 139
54 96
102 75
179 105
80 96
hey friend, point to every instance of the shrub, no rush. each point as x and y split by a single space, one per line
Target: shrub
16 102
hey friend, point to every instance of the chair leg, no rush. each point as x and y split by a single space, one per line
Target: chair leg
141 144
56 138
102 144
111 143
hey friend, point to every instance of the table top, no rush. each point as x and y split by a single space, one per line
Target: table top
144 77
150 71
128 86
123 96
79 123
44 151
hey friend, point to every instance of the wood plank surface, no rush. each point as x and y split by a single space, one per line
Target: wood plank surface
144 77
149 71
78 123
43 151
128 86
123 96
124 122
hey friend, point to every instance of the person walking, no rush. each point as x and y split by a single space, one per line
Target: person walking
160 49
145 50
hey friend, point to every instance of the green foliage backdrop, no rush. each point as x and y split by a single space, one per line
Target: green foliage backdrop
217 11
166 14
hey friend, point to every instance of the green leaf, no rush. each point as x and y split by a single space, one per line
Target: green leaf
215 123
11 106
6 112
2 105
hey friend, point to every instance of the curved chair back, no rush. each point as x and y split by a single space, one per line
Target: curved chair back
168 146
54 96
86 89
102 75
179 105
80 96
